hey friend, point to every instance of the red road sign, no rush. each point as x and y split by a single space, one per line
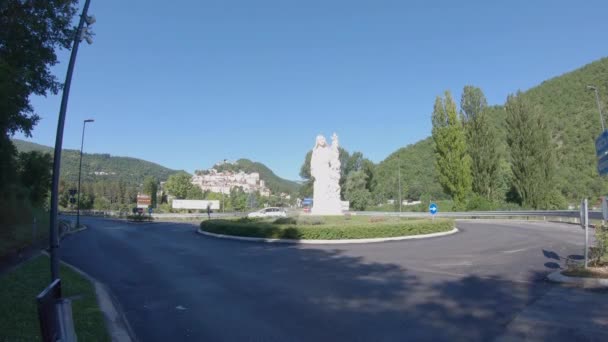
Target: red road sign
144 200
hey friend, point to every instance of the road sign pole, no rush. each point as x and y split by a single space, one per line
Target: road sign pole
586 215
433 210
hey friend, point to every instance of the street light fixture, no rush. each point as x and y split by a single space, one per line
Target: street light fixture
599 108
80 171
53 238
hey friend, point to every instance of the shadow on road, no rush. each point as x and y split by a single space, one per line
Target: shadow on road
387 302
285 292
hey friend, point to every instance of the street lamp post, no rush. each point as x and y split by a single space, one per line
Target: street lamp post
399 175
599 108
81 33
84 124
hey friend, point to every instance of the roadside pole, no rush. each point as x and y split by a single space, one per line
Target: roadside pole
53 223
586 226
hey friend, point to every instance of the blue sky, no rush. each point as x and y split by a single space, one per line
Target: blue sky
189 83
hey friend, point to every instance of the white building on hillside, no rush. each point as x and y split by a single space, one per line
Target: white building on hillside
222 182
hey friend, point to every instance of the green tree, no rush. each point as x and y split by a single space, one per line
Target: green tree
35 175
195 193
30 33
150 188
532 152
451 158
238 199
356 190
178 185
306 188
482 143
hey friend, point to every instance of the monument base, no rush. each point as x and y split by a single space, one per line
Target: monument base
326 211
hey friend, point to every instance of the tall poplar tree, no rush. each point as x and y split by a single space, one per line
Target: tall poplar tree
532 152
451 158
482 142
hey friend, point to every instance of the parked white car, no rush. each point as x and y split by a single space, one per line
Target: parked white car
268 212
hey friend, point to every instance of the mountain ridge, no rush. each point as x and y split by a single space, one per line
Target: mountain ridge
110 166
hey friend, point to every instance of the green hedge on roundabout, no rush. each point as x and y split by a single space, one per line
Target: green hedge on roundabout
326 228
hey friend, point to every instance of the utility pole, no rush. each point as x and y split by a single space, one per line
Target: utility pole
399 173
53 238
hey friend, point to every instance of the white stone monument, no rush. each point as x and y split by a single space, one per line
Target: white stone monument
325 169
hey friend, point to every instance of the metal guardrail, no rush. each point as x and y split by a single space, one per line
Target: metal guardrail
197 215
596 215
55 315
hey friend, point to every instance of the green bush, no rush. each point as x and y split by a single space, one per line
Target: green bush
140 218
600 252
334 229
17 216
312 221
285 220
479 203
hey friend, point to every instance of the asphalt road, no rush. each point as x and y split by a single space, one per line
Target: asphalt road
485 283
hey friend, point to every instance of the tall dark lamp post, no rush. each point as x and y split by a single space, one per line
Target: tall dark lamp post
84 124
81 33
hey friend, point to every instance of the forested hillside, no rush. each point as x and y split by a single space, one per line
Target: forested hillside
418 175
129 170
572 115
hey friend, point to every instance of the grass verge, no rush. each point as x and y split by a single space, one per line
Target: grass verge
591 272
19 315
327 228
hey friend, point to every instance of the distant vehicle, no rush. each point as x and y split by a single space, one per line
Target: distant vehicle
268 212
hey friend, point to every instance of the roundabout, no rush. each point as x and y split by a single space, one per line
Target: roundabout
329 242
488 282
327 229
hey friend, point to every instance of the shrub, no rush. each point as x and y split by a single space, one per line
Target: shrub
140 218
374 219
312 221
285 220
600 253
480 203
328 231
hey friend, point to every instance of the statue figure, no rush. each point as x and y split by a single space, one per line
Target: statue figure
325 169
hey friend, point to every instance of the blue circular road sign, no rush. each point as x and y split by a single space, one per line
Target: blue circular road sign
433 208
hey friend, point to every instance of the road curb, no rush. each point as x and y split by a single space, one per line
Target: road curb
586 282
74 231
327 242
116 321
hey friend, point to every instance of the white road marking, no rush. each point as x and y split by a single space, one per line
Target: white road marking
113 227
514 251
458 263
179 307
